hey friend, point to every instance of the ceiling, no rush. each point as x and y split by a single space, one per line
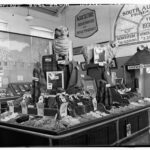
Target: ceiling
53 10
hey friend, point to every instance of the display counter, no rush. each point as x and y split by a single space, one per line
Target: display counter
108 131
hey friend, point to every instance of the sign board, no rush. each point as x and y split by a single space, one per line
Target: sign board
132 24
55 79
144 28
138 66
85 23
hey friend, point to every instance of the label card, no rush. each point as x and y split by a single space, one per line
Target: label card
94 104
128 129
63 109
41 99
50 86
24 107
11 106
40 109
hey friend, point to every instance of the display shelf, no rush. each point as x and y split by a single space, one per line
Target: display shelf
19 89
98 132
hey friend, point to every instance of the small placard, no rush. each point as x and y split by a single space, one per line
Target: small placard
63 109
128 127
94 104
11 106
24 107
40 109
41 99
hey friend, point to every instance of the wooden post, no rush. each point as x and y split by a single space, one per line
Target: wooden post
141 81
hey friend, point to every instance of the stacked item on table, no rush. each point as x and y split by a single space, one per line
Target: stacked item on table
133 105
80 104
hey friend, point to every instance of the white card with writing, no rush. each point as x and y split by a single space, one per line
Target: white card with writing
94 104
40 109
11 106
63 109
24 107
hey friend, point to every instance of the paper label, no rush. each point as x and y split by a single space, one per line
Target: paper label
128 127
40 109
63 109
80 103
50 86
94 104
24 107
11 106
41 99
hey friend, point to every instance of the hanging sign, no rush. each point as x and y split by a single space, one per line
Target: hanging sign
85 23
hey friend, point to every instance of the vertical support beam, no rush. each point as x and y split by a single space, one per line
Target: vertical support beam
0 107
124 75
141 81
117 130
149 119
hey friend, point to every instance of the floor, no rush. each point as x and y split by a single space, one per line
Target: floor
140 140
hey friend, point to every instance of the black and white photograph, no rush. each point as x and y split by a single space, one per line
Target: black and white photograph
74 74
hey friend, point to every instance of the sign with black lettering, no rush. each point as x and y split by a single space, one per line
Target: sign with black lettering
133 24
144 28
85 23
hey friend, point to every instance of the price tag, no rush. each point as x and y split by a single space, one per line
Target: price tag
94 104
24 107
11 106
63 109
40 109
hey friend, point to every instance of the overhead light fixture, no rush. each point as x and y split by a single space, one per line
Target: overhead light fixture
28 17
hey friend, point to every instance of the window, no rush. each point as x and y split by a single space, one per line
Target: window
3 25
41 32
